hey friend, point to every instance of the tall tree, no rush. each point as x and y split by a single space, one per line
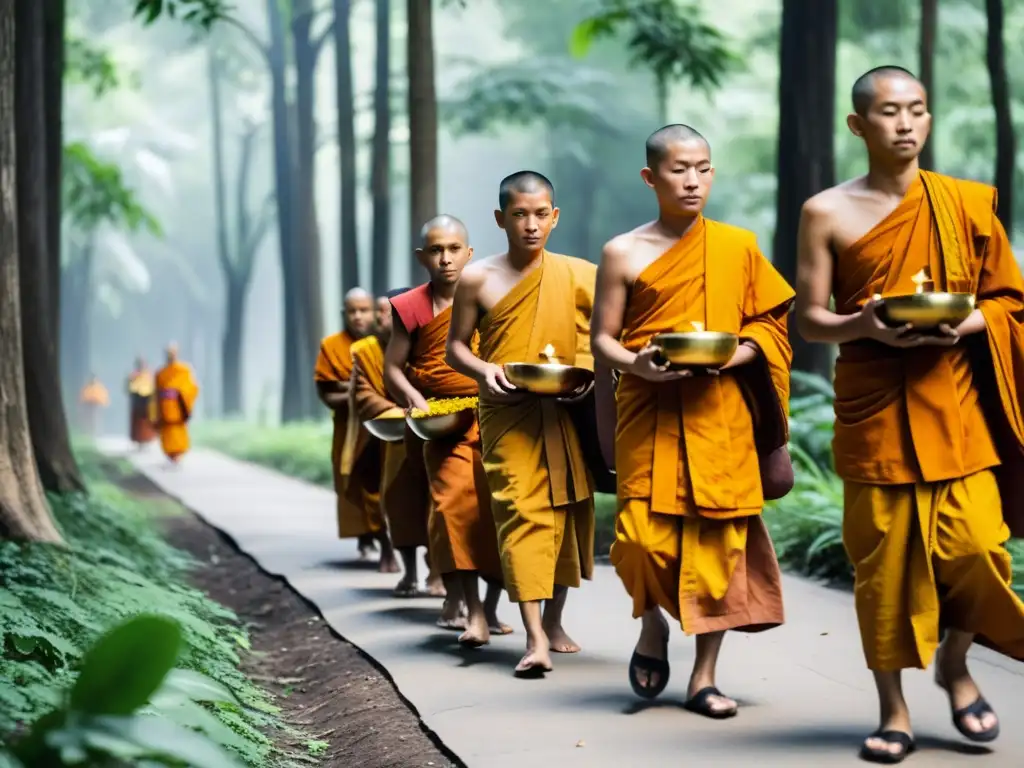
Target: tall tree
926 69
422 121
23 510
1006 140
670 40
380 170
805 160
236 256
48 424
350 276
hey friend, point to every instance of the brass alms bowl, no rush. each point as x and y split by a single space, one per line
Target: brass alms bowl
389 426
443 426
697 349
927 310
547 378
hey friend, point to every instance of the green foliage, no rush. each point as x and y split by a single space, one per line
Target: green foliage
95 193
669 38
298 449
89 64
202 13
54 603
130 703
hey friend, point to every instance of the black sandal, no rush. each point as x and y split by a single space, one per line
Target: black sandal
698 704
884 756
979 708
651 666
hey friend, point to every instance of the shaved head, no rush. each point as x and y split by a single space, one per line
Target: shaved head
524 183
358 294
865 88
445 223
659 141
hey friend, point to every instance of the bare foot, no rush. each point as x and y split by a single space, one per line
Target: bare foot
453 615
560 641
389 564
534 664
435 587
406 587
477 633
498 627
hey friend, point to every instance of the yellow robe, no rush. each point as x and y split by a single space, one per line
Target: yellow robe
689 536
914 444
460 526
362 454
176 391
540 489
334 364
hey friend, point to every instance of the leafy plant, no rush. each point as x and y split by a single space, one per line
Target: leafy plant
129 703
203 13
95 193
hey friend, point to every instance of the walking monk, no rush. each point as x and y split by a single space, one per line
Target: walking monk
463 541
176 393
92 400
331 374
689 537
142 406
521 302
363 457
918 453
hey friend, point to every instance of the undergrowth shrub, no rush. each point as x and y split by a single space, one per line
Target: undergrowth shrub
54 603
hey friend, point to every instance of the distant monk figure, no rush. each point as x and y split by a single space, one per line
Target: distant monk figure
176 393
93 399
142 405
333 375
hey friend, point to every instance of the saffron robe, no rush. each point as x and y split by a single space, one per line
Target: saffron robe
689 536
176 393
921 434
142 406
460 525
541 494
362 454
334 364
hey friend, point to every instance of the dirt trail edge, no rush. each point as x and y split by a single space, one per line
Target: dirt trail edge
341 698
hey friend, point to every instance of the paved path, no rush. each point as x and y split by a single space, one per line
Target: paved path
807 697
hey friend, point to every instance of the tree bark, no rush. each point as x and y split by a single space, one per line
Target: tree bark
54 19
47 421
24 514
294 355
231 349
350 277
306 54
805 146
1006 141
422 123
380 174
926 67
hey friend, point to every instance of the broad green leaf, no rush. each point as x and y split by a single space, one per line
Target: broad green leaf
161 737
582 38
197 687
126 666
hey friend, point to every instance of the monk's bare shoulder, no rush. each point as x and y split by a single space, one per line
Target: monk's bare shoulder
475 274
831 203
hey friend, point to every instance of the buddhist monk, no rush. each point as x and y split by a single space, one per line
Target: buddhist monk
689 538
142 405
463 541
525 302
926 420
176 393
364 457
333 370
92 400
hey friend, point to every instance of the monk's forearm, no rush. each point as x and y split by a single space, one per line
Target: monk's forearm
610 353
334 400
745 353
975 323
460 358
818 325
398 385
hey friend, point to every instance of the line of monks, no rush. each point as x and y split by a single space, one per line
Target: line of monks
928 425
162 404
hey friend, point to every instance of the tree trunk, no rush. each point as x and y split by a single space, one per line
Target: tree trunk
47 421
294 357
1006 142
805 146
54 20
231 350
220 202
350 277
306 54
24 514
422 123
380 174
926 49
76 319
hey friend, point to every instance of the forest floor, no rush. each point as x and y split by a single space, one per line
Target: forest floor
324 686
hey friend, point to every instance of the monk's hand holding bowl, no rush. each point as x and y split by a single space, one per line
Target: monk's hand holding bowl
872 327
494 385
579 395
650 365
418 402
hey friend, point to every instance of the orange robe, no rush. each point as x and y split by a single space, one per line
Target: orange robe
921 433
334 364
541 494
92 398
176 392
141 416
460 525
689 535
362 454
